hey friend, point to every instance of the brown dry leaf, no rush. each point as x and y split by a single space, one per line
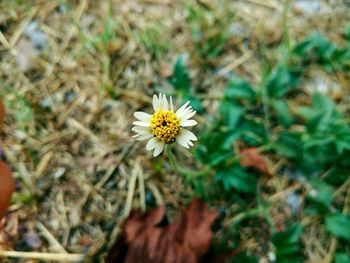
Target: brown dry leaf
250 157
145 238
7 186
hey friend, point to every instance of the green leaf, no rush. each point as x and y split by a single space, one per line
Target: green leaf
321 193
180 79
238 88
347 32
339 225
341 258
216 146
231 113
195 102
253 131
287 244
316 46
282 111
289 236
319 49
243 258
289 145
235 178
280 81
342 145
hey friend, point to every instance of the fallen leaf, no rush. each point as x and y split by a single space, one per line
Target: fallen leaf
251 158
146 238
7 186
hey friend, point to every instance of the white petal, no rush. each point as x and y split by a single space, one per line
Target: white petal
164 102
144 137
182 108
184 112
141 123
140 129
142 133
187 123
189 135
180 112
155 102
159 148
187 116
182 140
171 104
152 143
142 116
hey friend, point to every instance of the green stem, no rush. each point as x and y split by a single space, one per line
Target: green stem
286 25
249 213
186 172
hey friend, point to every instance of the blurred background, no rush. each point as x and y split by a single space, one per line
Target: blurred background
270 76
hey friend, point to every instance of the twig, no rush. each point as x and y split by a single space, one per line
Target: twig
343 187
52 240
238 218
156 193
111 170
78 126
43 164
131 190
142 190
22 26
82 6
234 64
266 4
44 256
7 45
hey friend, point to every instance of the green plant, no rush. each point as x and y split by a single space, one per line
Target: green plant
313 139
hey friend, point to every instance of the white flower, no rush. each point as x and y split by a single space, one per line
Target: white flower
165 126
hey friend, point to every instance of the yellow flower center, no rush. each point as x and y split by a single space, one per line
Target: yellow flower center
165 125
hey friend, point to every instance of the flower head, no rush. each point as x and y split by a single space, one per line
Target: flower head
165 126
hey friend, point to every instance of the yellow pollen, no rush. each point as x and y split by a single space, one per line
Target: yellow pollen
165 125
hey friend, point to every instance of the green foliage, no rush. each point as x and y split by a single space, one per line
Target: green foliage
181 82
339 225
324 139
23 111
321 50
312 139
341 258
281 80
234 178
181 78
285 118
321 195
239 89
152 39
204 22
287 244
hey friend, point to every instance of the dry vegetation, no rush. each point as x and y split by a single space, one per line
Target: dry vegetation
70 98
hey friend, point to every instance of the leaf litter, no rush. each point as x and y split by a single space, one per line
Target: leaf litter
147 237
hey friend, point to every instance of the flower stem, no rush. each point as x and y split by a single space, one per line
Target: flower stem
249 213
184 171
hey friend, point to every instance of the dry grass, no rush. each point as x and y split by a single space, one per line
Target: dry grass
70 110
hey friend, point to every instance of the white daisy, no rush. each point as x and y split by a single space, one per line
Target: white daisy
165 126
